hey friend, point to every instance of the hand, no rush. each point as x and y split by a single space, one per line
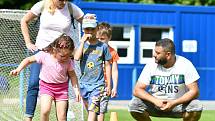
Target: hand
77 94
31 47
86 37
169 105
108 90
160 103
14 72
114 93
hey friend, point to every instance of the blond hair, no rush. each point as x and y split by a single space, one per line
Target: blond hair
50 6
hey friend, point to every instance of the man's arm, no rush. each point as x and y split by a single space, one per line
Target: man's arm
188 96
140 92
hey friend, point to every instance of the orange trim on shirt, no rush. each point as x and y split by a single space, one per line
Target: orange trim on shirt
115 58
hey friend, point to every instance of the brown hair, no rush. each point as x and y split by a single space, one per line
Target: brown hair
62 42
104 29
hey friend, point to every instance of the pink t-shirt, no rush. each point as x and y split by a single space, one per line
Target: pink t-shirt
51 70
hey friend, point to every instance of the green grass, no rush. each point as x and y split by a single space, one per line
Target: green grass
123 115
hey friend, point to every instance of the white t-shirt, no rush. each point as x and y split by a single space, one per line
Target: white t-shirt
169 83
52 26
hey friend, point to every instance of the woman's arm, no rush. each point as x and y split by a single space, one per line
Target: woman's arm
80 19
25 31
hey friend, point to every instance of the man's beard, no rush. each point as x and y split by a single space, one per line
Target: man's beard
162 61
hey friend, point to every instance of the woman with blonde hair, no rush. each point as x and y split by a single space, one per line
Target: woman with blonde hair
55 19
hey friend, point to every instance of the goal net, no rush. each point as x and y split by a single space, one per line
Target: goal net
12 52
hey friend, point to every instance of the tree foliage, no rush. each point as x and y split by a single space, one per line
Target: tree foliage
17 4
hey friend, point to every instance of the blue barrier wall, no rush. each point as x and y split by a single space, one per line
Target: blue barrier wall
188 23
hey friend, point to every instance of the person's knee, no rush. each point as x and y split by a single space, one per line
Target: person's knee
192 116
33 84
135 115
45 111
61 116
140 116
44 115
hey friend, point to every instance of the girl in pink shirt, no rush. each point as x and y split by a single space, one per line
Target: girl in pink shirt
57 68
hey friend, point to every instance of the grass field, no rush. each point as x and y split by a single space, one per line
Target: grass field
123 115
10 107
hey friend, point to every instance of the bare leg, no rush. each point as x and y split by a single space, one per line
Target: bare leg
192 116
92 116
85 104
28 119
101 117
141 116
46 102
61 107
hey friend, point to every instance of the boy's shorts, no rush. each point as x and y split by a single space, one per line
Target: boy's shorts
104 103
92 97
58 92
138 105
